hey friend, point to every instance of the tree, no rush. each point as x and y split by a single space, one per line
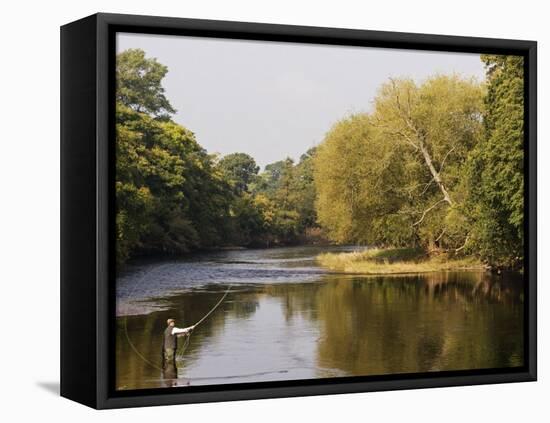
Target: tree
304 191
139 83
240 170
395 177
495 168
187 201
170 196
358 179
285 195
268 181
439 122
134 200
248 220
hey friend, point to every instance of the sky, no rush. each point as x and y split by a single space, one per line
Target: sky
274 100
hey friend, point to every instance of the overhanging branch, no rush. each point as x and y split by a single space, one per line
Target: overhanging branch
425 212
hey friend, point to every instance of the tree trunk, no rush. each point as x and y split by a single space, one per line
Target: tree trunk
435 173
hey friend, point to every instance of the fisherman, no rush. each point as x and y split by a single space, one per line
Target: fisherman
170 342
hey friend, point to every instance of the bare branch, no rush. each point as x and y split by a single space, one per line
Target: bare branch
463 245
408 140
419 144
425 212
445 158
391 131
427 186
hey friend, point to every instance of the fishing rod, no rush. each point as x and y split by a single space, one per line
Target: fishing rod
188 339
213 308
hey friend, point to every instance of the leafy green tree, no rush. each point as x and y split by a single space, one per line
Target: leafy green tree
138 83
240 170
268 181
248 225
395 177
186 197
437 165
495 168
359 179
171 197
134 200
439 123
304 189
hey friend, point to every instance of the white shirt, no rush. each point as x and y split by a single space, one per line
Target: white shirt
176 330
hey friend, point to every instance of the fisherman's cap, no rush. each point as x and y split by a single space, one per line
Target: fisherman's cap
170 321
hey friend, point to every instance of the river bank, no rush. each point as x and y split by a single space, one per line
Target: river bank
395 261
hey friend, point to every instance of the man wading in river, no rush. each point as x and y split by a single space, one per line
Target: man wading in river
170 342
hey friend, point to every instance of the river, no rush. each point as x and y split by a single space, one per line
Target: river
287 318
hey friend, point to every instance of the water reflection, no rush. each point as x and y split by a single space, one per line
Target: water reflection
336 326
449 321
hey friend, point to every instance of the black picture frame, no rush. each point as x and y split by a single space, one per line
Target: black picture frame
87 201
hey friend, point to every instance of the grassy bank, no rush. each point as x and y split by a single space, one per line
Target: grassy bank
394 261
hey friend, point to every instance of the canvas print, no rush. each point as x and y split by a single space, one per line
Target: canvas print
290 211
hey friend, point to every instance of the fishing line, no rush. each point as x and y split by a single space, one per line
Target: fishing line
135 349
188 338
126 325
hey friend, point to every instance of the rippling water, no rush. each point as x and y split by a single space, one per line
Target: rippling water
144 286
286 318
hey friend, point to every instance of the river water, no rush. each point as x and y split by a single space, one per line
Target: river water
286 318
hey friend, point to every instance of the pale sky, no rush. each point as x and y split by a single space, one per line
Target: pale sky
274 100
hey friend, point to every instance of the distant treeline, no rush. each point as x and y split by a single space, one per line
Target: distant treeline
437 165
173 197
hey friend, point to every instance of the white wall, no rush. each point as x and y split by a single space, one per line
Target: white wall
29 193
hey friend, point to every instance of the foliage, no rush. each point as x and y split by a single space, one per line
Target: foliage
172 197
436 165
394 177
495 168
289 191
240 170
438 122
357 177
139 83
